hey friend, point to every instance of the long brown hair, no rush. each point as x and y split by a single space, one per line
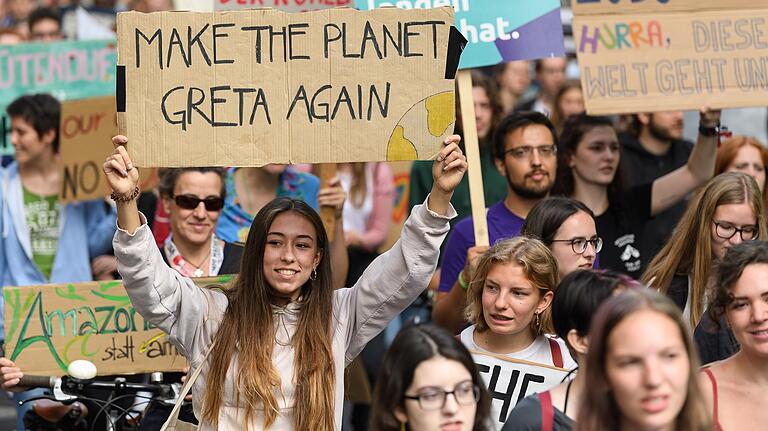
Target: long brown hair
689 250
538 264
247 327
599 410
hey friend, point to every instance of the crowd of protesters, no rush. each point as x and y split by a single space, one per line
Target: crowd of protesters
625 260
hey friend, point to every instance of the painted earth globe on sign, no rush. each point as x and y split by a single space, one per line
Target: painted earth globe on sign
421 131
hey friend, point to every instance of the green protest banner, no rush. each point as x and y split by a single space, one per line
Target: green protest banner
68 70
49 326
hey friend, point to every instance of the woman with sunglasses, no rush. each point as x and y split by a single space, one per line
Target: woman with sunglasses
429 382
588 158
726 211
193 199
567 227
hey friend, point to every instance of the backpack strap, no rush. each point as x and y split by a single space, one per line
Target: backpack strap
557 353
170 423
547 411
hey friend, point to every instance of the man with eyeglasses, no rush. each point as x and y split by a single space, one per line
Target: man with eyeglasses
525 150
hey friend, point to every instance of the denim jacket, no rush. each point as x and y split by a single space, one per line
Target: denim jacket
85 231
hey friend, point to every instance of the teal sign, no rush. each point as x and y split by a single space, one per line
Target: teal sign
497 30
68 70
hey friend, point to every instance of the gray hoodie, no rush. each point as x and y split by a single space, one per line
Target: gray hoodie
191 315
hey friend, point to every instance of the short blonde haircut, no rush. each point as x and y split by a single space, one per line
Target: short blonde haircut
538 264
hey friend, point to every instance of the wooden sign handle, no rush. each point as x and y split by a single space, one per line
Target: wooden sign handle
472 148
328 214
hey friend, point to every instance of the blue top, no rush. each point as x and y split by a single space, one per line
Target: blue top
502 224
234 222
85 231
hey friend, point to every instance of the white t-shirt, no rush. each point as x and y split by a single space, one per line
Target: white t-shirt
512 377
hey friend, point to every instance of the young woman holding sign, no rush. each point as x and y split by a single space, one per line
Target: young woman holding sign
588 156
282 335
508 302
420 370
577 298
739 384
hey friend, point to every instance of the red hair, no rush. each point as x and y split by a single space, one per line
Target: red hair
730 148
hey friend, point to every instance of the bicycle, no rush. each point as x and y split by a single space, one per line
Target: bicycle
69 393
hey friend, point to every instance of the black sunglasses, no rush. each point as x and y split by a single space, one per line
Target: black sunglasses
190 202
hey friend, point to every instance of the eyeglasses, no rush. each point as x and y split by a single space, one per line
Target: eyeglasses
432 398
190 202
727 231
526 151
579 245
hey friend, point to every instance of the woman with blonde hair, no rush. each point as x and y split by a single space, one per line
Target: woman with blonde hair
726 211
641 368
744 154
509 305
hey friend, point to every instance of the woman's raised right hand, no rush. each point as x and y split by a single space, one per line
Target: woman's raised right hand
121 175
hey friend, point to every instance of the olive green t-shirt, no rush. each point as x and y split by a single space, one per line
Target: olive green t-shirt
42 213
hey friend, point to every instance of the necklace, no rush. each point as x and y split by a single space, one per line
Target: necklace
199 272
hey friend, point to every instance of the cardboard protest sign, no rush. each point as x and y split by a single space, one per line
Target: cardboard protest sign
497 31
652 6
49 326
679 58
85 136
509 381
283 5
68 70
246 88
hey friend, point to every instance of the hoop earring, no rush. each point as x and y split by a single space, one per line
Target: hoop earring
313 274
402 426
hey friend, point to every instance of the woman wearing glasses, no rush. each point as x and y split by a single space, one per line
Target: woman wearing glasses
508 304
587 170
567 227
725 212
429 382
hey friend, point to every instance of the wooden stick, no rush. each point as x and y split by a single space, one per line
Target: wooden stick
328 214
472 148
